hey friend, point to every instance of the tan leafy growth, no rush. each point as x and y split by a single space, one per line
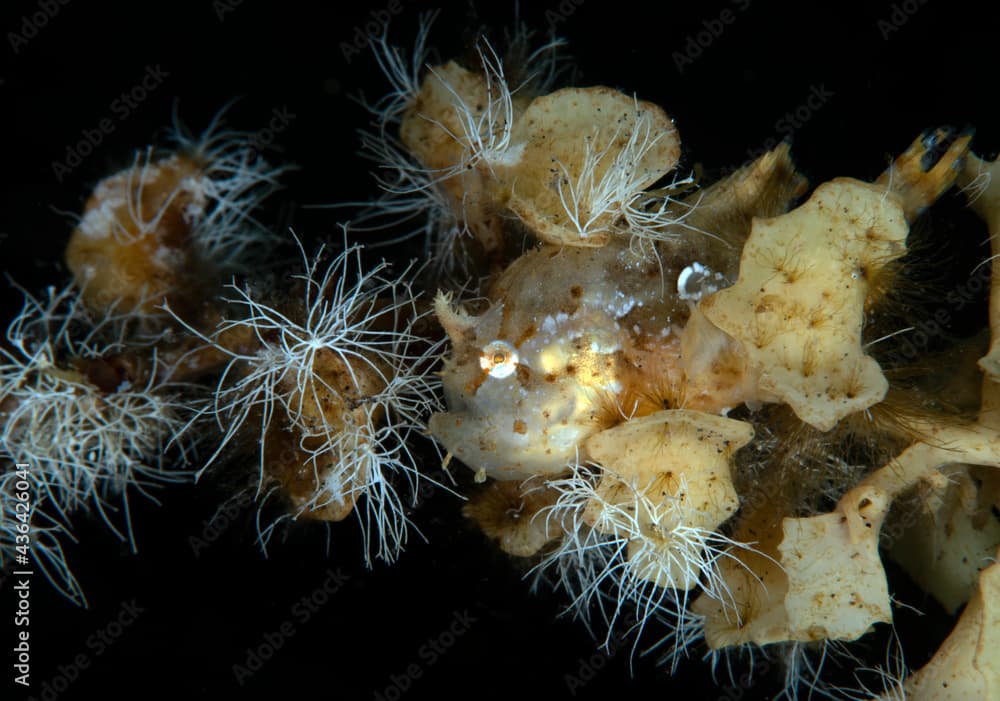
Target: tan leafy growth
667 469
816 256
836 588
951 538
510 513
967 665
584 154
132 247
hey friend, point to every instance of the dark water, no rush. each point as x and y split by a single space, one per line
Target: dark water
850 86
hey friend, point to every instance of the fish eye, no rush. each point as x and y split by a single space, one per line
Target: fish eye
499 359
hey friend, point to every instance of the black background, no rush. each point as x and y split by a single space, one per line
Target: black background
203 613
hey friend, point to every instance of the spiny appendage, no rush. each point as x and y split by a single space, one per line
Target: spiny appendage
682 634
403 70
975 179
608 195
235 179
469 116
610 560
86 440
654 216
534 66
413 202
486 128
483 128
483 120
802 665
174 221
412 199
91 433
344 369
884 681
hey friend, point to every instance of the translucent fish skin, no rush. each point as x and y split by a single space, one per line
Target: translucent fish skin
580 321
